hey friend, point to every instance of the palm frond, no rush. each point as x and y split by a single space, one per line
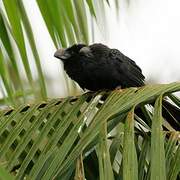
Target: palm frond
58 138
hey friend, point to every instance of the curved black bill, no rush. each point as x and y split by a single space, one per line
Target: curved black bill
61 54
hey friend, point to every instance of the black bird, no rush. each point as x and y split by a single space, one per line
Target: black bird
98 67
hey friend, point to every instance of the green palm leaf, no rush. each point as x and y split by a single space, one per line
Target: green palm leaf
54 139
17 33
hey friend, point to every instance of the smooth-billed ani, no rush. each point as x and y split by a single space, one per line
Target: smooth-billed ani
97 67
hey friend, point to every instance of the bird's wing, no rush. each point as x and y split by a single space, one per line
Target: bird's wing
129 72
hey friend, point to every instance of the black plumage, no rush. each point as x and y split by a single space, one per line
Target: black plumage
97 67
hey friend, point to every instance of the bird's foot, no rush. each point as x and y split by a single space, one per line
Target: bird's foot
118 88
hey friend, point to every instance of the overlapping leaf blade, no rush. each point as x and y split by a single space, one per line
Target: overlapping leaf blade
30 36
158 171
47 139
17 32
130 167
5 78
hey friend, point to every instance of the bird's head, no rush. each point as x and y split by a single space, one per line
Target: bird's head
81 50
71 52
